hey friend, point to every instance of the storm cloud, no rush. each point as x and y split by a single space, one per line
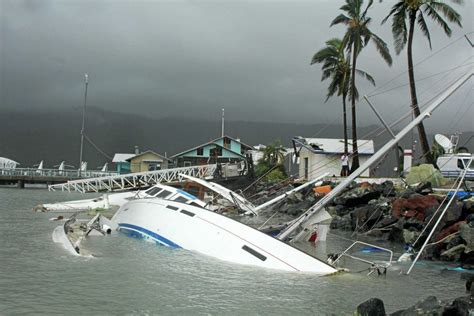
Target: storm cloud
192 58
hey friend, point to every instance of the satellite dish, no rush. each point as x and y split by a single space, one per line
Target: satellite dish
444 142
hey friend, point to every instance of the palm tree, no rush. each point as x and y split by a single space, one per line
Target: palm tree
357 36
413 10
337 67
274 153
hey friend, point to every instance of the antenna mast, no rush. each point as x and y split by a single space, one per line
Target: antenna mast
222 132
83 123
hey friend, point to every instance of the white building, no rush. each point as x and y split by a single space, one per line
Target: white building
320 155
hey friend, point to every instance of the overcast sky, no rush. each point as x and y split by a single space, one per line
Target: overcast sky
192 58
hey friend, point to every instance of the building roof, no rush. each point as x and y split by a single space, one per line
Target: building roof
122 157
7 163
149 152
334 146
213 142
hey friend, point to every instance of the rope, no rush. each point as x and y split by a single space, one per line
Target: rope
97 147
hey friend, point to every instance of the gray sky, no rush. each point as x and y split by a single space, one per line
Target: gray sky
192 58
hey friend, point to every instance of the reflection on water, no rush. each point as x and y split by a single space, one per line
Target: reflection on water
131 276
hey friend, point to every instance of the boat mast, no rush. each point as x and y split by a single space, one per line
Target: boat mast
83 123
379 154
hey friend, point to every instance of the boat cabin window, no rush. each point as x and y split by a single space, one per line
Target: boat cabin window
460 164
254 252
153 191
181 199
149 190
163 194
467 163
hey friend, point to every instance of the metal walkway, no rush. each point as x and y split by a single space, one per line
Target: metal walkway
133 180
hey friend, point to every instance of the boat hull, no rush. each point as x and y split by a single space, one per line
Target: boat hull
179 225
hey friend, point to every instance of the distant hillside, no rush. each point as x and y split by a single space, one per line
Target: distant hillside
29 137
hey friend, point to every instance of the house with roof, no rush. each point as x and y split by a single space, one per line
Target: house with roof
140 162
148 161
120 161
320 155
220 150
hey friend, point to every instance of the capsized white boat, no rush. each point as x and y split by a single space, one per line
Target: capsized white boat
182 225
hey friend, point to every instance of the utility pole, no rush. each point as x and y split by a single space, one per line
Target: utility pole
83 124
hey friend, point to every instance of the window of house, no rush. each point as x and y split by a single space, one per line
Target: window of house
219 151
187 163
200 151
227 142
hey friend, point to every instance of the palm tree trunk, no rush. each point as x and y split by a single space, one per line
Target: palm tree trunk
355 153
414 101
344 117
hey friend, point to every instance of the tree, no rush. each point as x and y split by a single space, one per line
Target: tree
413 11
271 163
357 36
337 67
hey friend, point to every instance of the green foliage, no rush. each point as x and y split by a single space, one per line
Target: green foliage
273 157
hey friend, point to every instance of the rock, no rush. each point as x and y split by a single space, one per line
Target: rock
366 215
429 306
386 222
467 234
371 307
342 223
386 188
414 206
453 213
409 236
423 173
357 196
449 230
424 188
453 253
459 307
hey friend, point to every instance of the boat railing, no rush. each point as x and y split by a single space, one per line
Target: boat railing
374 266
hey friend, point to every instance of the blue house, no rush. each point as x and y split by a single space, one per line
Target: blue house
220 150
120 160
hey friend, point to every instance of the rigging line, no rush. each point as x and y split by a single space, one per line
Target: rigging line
97 147
455 116
424 78
420 95
420 62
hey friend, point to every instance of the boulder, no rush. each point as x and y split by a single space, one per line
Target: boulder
357 196
414 206
459 307
467 234
409 236
342 223
366 215
371 307
424 188
429 306
386 221
449 230
424 173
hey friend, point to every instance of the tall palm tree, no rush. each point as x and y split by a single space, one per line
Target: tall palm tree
413 10
337 67
357 36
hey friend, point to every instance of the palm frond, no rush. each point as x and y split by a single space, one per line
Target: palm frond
399 29
400 6
382 48
424 28
448 12
365 75
341 18
433 14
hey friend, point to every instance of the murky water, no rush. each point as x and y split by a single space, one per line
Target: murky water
129 276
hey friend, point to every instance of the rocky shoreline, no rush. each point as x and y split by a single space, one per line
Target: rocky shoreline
393 213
